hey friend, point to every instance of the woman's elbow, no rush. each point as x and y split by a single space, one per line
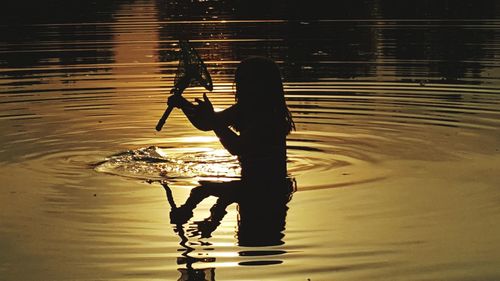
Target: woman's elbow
202 127
200 124
233 150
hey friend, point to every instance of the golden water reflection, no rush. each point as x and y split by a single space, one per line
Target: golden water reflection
396 154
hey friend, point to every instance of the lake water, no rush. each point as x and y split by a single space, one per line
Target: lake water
396 155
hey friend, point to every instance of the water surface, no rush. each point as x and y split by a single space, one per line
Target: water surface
395 156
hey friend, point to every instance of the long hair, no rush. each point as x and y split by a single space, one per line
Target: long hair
259 91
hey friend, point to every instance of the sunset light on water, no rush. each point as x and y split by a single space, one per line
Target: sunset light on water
393 169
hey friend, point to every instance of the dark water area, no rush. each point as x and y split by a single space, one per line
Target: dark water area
394 163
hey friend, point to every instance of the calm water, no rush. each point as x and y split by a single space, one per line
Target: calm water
396 156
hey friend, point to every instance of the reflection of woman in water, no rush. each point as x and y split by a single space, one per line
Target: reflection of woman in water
254 129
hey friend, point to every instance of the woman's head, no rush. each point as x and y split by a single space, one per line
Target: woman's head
259 89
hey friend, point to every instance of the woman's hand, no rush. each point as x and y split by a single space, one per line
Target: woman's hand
204 107
176 101
201 115
204 110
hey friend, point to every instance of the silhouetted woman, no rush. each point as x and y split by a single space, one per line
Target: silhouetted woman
256 126
254 129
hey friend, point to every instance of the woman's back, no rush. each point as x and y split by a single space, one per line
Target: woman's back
262 118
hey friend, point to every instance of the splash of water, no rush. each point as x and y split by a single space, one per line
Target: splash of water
157 163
